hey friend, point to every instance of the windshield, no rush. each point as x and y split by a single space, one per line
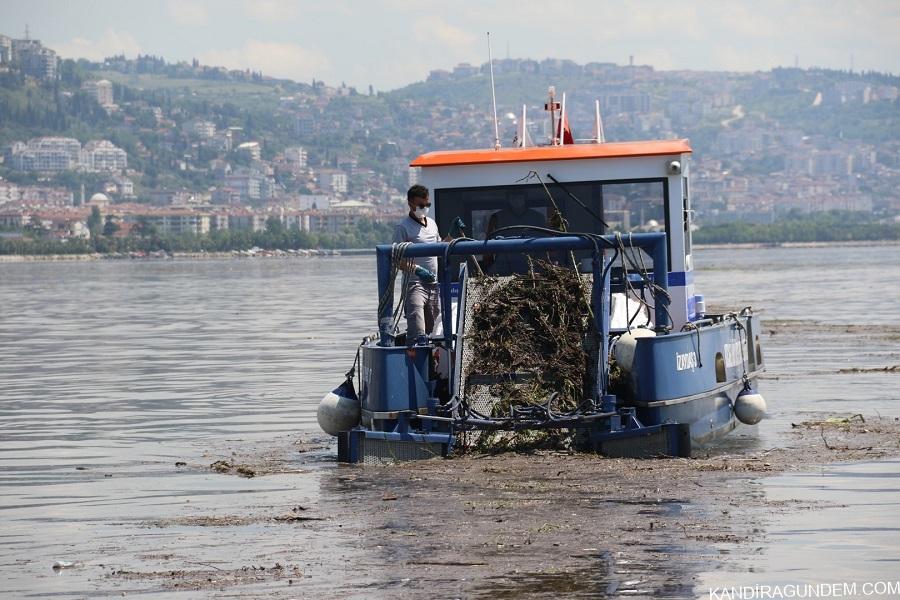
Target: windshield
624 206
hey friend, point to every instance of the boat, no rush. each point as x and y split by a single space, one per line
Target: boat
666 376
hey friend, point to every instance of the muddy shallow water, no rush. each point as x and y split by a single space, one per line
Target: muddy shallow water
114 374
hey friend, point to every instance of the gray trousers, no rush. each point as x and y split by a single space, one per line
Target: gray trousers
422 306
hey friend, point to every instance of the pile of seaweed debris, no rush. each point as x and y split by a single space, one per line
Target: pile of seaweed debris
538 325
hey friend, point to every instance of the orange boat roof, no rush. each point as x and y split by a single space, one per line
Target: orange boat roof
537 153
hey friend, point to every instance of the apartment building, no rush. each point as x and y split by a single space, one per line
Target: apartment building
175 221
33 59
45 154
50 154
101 91
102 155
296 156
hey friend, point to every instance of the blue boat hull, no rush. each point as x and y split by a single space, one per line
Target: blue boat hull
694 377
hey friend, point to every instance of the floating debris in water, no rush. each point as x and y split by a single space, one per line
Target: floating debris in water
890 369
832 422
230 520
223 466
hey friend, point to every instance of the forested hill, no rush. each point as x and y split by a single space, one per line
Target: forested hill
449 110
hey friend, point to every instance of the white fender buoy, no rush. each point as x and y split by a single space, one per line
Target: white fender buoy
623 350
749 407
339 410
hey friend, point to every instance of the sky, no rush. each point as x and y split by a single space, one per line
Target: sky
392 43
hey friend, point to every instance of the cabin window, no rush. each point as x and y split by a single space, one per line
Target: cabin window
634 207
625 205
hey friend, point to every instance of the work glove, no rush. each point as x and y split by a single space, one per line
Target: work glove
425 276
456 229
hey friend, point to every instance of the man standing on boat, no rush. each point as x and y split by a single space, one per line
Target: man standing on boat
422 301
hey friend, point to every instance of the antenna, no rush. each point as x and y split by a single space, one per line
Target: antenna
525 140
599 138
493 95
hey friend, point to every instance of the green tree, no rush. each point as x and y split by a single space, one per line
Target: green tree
110 227
144 228
274 226
95 221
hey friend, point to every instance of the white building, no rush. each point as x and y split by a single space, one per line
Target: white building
5 50
50 154
205 130
102 155
333 180
102 91
176 221
120 186
309 201
45 154
296 220
246 222
246 183
296 156
252 149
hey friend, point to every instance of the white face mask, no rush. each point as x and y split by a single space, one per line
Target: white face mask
422 212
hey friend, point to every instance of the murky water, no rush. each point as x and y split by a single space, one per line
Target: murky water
110 372
847 536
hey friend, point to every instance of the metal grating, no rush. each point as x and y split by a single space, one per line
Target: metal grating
376 452
479 395
667 440
648 446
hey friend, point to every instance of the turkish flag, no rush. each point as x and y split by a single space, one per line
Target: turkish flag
563 131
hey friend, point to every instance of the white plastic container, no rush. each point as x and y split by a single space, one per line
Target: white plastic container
699 306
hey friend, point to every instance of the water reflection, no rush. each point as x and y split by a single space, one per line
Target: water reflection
849 533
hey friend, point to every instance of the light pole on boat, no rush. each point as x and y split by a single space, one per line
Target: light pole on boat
493 95
552 106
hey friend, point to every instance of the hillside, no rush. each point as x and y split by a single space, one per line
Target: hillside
772 130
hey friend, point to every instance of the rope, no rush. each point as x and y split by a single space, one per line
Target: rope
397 253
693 327
741 331
642 270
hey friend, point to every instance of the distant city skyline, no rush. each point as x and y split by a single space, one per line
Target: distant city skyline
392 43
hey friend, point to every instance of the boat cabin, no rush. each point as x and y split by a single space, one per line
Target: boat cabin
599 188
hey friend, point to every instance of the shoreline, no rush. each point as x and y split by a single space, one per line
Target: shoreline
314 253
235 254
753 245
